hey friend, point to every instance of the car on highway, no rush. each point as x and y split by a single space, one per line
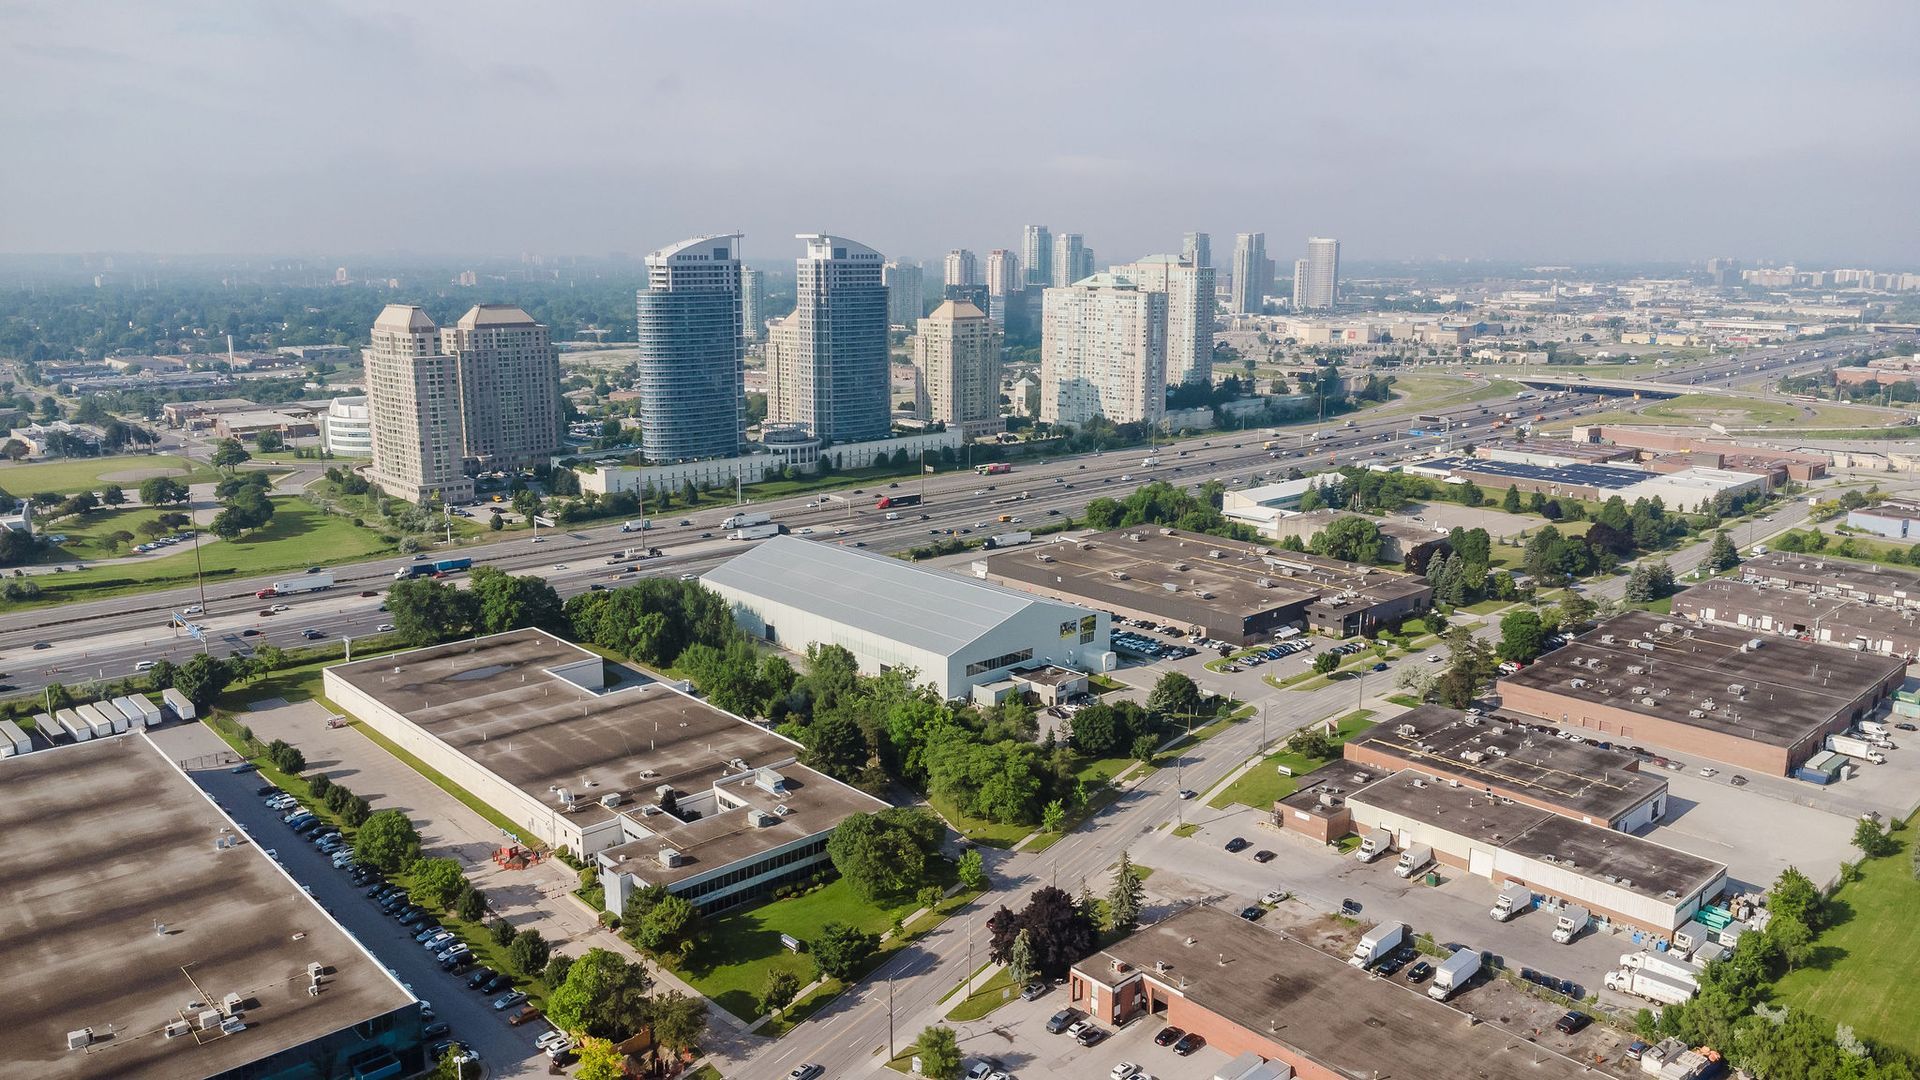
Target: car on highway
278 608
808 1071
1188 793
365 593
311 634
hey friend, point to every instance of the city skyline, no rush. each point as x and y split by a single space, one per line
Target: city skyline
1579 172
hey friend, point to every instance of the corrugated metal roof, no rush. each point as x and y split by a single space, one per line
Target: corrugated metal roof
926 609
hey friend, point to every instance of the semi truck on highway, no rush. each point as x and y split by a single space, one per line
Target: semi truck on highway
641 525
1377 943
303 583
1454 973
886 502
741 521
756 532
633 553
997 468
420 569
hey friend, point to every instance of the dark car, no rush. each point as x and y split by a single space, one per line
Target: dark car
480 977
1350 907
1252 912
1903 726
426 930
1572 1022
496 984
437 1028
1167 1036
369 592
1263 855
1059 1021
1419 972
1090 1036
1379 667
1188 1043
1237 844
1391 965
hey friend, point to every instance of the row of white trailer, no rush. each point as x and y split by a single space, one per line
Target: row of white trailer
98 720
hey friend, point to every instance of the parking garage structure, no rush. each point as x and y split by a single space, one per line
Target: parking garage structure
1509 758
652 784
1228 589
147 938
1246 989
1622 879
1765 704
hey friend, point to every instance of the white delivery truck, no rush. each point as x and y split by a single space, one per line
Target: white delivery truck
1453 974
13 741
1874 727
1149 461
1413 860
1651 985
70 722
1376 843
1573 919
1673 967
1377 943
178 704
1514 898
741 521
636 526
1855 747
754 532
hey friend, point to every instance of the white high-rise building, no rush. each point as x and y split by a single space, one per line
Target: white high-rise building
838 368
1317 277
1250 273
753 304
1103 352
1189 291
413 407
1197 248
1003 273
692 351
962 268
1069 253
906 293
1036 255
956 355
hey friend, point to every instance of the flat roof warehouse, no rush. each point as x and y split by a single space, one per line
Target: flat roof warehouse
120 912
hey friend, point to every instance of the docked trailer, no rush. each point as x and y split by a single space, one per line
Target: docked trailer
91 715
13 741
79 730
177 704
150 714
115 715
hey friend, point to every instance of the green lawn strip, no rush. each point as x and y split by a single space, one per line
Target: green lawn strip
1186 830
1208 731
979 830
705 1072
738 949
1313 680
298 536
1407 700
1260 785
1142 872
75 475
985 998
1863 969
86 534
1103 684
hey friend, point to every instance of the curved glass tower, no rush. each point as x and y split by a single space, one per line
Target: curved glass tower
692 363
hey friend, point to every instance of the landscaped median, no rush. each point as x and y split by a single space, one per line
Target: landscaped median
1260 785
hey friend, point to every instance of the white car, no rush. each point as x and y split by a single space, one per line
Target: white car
1123 1071
384 628
1272 897
144 665
559 566
278 608
551 1039
1433 658
194 609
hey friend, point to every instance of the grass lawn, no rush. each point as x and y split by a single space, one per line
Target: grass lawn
86 534
298 536
739 948
1260 785
986 997
979 830
84 474
1407 700
1863 971
1186 830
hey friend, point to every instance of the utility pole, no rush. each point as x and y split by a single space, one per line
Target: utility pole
890 1054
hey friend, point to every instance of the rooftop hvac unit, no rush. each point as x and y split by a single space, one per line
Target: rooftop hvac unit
233 1025
1265 582
1577 684
610 800
314 970
1695 713
1647 701
176 1028
1668 628
1171 586
1606 639
78 1040
1736 689
208 1019
1119 575
760 819
230 1005
669 858
1709 705
1046 558
1636 669
1182 567
1216 553
1406 731
1637 691
1646 646
1203 594
663 790
782 809
737 764
770 782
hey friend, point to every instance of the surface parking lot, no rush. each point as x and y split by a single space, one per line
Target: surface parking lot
1016 1035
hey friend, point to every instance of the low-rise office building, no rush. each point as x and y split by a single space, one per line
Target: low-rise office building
1507 758
657 787
1226 589
163 943
1758 703
1893 519
1822 618
347 429
1410 543
1246 989
1620 877
1869 583
955 632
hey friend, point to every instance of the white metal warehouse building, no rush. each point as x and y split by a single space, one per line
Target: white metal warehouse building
956 632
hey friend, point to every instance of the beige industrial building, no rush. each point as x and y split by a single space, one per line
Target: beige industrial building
652 784
1103 352
956 359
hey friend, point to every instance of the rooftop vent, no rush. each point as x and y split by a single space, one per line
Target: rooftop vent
669 858
610 800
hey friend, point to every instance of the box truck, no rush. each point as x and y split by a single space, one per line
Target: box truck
1413 860
178 704
1573 919
1453 974
1376 843
741 521
1666 964
636 526
1651 985
1377 943
755 532
1856 747
1513 900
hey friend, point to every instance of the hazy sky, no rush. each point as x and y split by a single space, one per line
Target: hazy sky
1539 131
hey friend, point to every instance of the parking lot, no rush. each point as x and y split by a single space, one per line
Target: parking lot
1016 1036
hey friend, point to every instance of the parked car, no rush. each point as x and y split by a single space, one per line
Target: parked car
1252 912
508 1000
523 1014
1061 1020
1168 1036
1419 972
1033 990
1237 844
1188 1043
1263 855
1089 1036
1572 1023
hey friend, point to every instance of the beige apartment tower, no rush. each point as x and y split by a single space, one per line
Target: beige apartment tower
1189 290
509 386
413 409
1103 352
956 358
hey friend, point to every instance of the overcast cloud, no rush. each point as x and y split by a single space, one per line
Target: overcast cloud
1540 131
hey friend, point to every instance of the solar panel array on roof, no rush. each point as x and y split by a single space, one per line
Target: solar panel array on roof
1581 475
927 609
